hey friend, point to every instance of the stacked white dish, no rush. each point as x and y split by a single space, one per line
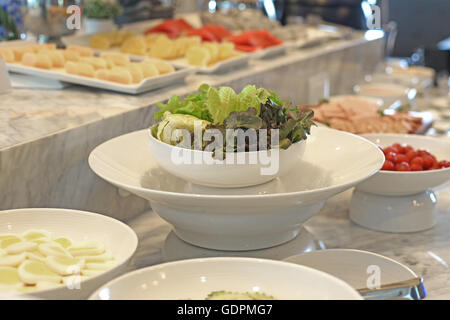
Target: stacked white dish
401 201
392 94
247 218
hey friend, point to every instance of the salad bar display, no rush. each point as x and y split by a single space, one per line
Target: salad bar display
241 143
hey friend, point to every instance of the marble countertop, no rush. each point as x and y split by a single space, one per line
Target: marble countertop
427 253
30 114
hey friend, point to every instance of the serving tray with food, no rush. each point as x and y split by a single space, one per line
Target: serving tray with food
79 65
361 115
211 48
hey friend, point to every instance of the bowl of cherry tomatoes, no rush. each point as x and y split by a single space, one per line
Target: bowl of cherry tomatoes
413 164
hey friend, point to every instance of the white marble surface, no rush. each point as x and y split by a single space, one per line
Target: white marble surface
427 253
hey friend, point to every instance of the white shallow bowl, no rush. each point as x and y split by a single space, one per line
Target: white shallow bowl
243 218
391 183
375 101
78 226
390 93
358 268
195 279
222 175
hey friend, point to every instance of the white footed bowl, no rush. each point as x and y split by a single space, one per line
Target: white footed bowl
195 279
392 183
225 175
79 226
240 219
401 202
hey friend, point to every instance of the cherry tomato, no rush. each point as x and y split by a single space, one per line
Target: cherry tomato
428 162
407 149
391 156
392 149
388 166
416 167
406 158
411 154
417 161
444 164
423 152
402 166
401 158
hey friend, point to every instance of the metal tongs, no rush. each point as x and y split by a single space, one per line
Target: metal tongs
412 289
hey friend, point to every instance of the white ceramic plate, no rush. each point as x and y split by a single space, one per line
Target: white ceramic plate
359 269
146 85
195 279
79 226
244 218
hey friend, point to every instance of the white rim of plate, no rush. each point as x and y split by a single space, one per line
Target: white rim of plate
223 259
234 197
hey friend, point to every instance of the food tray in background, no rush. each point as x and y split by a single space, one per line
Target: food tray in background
148 84
222 66
219 67
316 36
270 52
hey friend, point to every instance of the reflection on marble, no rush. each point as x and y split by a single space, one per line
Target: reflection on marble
47 135
427 253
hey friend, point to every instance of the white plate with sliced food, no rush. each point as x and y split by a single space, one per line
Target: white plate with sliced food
79 65
60 253
145 85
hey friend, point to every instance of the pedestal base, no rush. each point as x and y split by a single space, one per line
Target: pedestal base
176 249
399 214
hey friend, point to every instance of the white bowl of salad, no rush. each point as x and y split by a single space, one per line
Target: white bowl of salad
218 138
227 279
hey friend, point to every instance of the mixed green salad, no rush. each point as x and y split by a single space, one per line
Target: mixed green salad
222 109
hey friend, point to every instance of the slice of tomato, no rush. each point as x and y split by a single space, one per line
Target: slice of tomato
219 32
172 27
205 34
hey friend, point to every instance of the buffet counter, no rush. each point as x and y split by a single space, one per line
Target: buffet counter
426 253
46 135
